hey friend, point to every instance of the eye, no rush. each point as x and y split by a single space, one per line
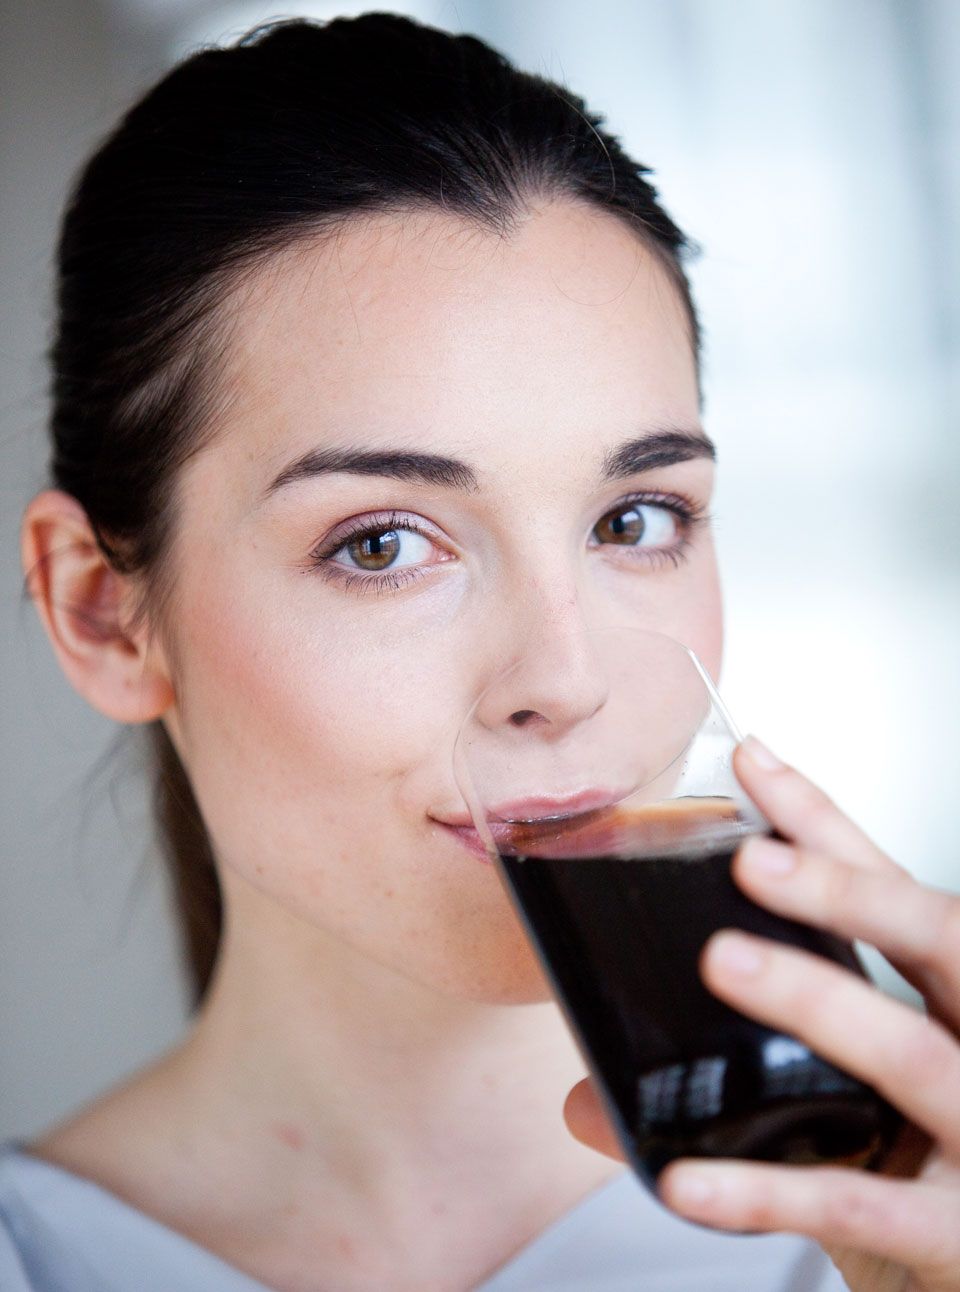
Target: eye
638 524
380 549
378 553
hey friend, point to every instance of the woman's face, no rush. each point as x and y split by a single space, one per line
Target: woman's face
337 619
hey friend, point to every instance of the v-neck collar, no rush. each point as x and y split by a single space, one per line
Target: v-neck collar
169 1248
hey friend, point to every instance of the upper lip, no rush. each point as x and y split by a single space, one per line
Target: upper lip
541 807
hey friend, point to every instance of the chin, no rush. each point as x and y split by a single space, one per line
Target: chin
532 990
504 972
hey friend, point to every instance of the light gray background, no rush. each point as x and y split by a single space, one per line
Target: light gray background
813 148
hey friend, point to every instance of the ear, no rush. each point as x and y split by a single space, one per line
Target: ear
83 602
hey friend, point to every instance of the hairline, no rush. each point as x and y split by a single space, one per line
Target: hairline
212 332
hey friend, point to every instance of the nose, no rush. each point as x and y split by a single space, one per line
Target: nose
557 680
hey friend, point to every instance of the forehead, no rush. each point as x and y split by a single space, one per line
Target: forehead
419 329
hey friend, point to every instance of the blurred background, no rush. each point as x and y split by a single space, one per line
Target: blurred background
812 149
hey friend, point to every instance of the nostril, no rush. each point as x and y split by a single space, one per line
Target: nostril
522 716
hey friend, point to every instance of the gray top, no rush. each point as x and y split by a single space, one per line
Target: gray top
62 1233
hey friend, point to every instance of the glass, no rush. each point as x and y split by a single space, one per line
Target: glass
597 771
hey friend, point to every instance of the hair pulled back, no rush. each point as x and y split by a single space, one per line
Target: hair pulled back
231 158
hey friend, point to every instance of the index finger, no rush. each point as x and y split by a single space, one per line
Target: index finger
801 811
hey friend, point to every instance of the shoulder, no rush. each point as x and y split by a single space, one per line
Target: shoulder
116 1147
63 1232
58 1232
22 1238
13 1272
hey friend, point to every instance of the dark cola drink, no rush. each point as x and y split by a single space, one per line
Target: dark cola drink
620 907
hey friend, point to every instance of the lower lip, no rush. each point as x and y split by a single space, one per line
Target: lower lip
587 801
468 838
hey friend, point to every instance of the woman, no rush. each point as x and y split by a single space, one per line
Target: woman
375 362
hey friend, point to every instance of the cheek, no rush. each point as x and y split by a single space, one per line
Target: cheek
705 633
686 605
314 761
701 610
294 733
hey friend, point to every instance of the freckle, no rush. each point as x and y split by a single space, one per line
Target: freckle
388 892
292 1136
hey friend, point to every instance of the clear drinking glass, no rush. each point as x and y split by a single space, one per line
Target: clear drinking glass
612 814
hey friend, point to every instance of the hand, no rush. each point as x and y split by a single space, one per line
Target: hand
898 1231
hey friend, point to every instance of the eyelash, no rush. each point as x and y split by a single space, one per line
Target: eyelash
690 514
391 580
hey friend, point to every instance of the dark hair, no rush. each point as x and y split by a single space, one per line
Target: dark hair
232 157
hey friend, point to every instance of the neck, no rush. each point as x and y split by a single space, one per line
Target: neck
325 1068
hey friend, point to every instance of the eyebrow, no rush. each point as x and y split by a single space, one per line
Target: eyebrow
400 464
660 449
643 453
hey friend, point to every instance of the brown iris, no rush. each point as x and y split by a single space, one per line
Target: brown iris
375 551
625 525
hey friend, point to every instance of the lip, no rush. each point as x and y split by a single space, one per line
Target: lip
468 837
541 807
528 810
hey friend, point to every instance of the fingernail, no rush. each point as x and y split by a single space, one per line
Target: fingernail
692 1190
760 754
736 953
769 857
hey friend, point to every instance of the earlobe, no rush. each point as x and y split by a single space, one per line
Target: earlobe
81 600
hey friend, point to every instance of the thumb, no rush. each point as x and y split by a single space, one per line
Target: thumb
587 1121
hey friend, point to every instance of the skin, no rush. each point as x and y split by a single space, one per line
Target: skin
378 1053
